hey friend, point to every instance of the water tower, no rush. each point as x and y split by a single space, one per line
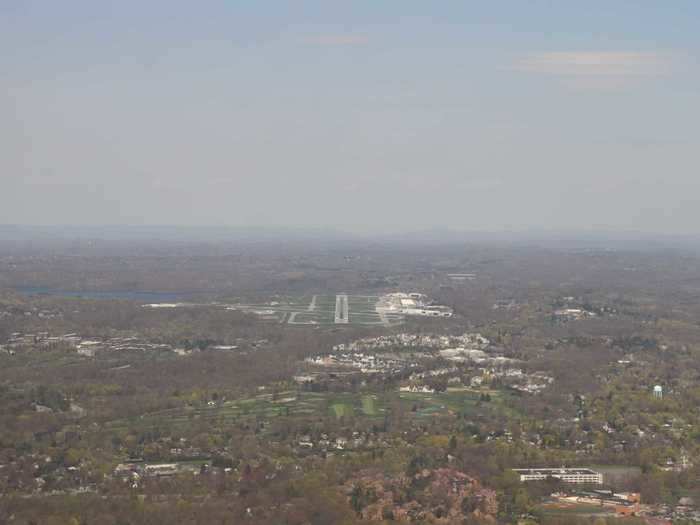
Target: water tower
658 392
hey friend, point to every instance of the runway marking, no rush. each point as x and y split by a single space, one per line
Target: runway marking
341 309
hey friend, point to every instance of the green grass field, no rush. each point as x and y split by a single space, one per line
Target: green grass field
315 317
338 405
362 304
342 410
369 406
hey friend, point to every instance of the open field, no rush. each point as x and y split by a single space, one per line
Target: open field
572 510
339 405
369 406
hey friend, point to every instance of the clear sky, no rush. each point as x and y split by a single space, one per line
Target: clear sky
360 115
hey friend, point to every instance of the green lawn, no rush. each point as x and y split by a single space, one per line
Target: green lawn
338 405
369 406
342 409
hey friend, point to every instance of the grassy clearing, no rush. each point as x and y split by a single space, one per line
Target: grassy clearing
572 509
307 404
364 318
454 402
314 318
325 303
369 406
362 304
342 410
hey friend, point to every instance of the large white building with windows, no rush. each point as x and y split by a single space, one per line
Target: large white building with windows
569 475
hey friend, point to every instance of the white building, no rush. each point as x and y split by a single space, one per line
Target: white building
568 475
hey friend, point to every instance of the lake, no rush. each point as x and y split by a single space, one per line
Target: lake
145 297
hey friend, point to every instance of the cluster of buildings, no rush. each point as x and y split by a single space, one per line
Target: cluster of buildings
513 378
469 363
134 471
629 504
90 346
417 389
41 340
376 354
461 354
621 503
433 373
685 510
461 277
166 305
365 354
482 376
575 308
41 313
366 363
505 304
417 341
572 314
411 499
411 304
326 443
83 346
532 383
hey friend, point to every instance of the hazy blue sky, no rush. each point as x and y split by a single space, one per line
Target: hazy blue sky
393 115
